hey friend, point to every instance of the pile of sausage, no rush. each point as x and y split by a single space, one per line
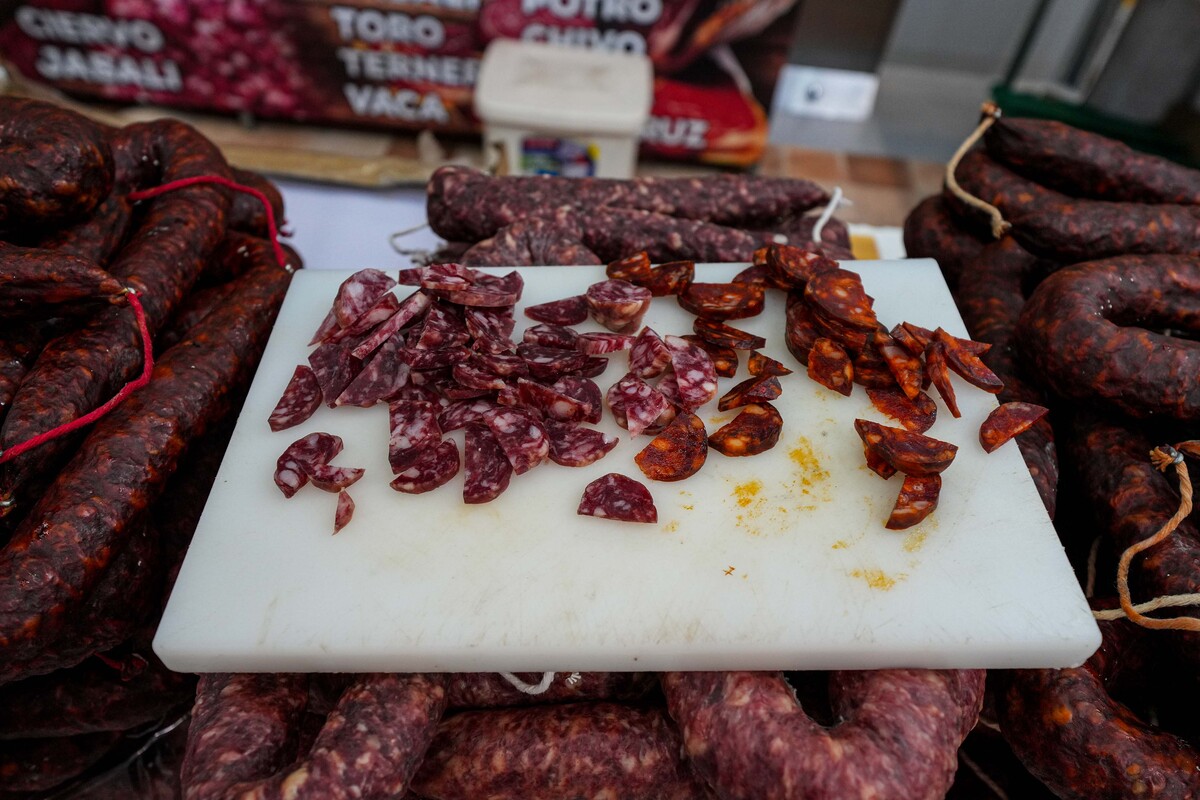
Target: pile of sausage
534 221
93 523
1089 301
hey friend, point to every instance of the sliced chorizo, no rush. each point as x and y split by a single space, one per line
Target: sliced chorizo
917 500
755 430
678 452
910 453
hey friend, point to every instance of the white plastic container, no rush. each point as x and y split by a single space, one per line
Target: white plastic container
562 111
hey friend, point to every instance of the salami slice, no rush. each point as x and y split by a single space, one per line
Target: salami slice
759 364
586 392
334 367
381 377
649 355
462 413
593 367
448 277
358 293
344 512
677 453
414 429
618 305
506 365
755 430
840 296
635 404
910 453
1006 421
485 466
329 478
568 311
473 377
939 375
550 335
300 400
327 328
521 435
694 372
435 359
634 268
386 306
552 403
495 325
615 496
551 363
752 390
576 446
315 448
917 499
441 328
673 277
599 344
410 309
830 366
489 291
433 467
721 301
723 335
916 415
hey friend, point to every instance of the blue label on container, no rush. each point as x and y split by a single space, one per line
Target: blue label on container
550 155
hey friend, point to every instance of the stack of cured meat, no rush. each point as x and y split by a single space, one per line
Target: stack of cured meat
1078 259
94 521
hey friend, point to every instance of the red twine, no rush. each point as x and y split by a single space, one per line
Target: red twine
272 228
128 389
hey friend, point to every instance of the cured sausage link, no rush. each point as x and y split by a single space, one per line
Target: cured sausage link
931 232
55 164
44 283
161 261
60 548
748 737
1058 721
1083 321
557 751
35 765
368 749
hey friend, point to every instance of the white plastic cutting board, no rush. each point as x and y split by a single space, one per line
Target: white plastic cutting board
778 561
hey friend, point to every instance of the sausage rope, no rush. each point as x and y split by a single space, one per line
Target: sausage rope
999 226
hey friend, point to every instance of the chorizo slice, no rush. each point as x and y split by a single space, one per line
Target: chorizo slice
908 340
1006 421
486 468
755 430
968 366
757 274
910 453
830 366
619 497
876 463
673 277
576 446
649 356
917 499
568 311
872 370
723 335
752 390
905 367
300 400
897 732
678 452
938 372
916 414
618 305
839 295
722 301
634 268
724 359
800 329
792 267
429 468
759 364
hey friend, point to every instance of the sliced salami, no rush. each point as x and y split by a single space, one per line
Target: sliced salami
917 499
752 390
386 306
635 404
485 467
759 364
568 311
677 453
433 467
462 413
916 415
358 293
586 392
723 301
447 277
618 305
414 429
436 359
751 432
410 309
521 435
442 327
695 373
723 335
328 327
576 446
315 448
725 359
489 291
593 367
344 512
550 335
506 365
649 355
615 496
334 367
380 379
551 363
599 344
300 400
1006 421
330 478
552 403
492 324
473 377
